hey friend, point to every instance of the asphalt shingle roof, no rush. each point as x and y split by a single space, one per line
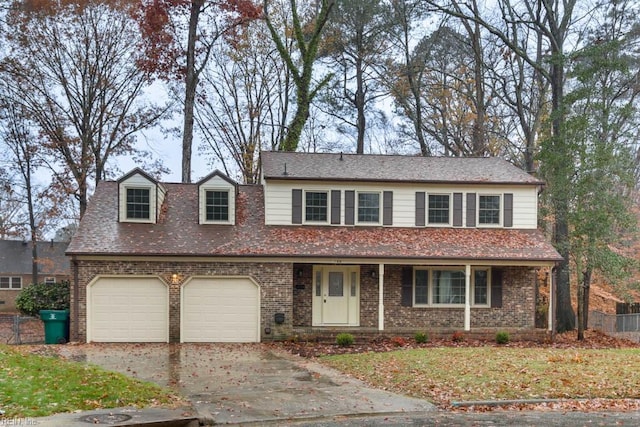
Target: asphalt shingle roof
15 257
385 168
179 234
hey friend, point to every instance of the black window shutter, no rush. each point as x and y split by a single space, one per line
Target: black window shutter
335 206
420 209
496 288
457 209
349 207
296 209
508 210
387 208
407 287
471 209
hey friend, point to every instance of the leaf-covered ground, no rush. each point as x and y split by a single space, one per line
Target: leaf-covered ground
33 385
600 373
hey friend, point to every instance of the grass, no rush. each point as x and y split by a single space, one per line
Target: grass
444 375
36 386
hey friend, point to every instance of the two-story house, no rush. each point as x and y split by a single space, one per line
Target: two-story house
325 242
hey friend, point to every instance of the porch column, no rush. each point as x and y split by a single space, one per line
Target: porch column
552 299
381 297
467 297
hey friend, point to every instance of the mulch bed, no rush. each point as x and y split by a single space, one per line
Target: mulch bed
593 340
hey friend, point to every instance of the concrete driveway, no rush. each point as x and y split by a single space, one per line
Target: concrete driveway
243 383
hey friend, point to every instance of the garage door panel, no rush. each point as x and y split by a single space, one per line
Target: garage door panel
128 310
220 310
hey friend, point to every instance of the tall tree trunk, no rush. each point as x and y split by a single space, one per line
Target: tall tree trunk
191 84
361 123
586 283
564 311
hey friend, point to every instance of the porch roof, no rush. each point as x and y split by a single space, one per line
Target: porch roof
178 234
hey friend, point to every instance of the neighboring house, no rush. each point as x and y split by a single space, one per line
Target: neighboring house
16 267
326 242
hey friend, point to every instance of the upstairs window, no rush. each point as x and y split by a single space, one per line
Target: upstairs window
10 282
369 208
138 203
438 209
489 210
316 206
217 205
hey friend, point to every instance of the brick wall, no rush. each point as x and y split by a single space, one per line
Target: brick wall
274 279
517 311
288 289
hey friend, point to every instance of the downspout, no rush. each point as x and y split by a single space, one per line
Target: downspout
552 303
76 304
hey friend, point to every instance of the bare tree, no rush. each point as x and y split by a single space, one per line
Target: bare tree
307 32
358 40
72 69
243 107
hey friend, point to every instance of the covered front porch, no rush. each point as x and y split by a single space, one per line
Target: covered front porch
402 298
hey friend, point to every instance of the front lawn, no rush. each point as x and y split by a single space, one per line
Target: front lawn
36 386
444 375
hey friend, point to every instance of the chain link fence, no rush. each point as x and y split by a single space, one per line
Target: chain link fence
625 326
16 329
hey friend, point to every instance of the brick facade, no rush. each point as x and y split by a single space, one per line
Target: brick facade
517 311
274 279
287 288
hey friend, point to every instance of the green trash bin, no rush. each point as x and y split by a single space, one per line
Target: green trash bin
56 329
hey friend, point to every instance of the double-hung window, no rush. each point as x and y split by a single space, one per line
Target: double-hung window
138 203
217 205
10 282
368 208
438 209
446 286
316 206
489 210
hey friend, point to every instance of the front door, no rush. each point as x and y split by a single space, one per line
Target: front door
336 296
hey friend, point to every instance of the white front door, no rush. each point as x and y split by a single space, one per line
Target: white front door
336 298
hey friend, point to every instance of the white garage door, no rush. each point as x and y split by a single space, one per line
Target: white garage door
128 309
220 310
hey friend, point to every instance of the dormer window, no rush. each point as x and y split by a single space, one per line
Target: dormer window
138 203
217 205
140 197
217 199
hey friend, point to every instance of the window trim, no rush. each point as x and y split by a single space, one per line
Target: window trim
49 280
202 204
431 288
12 279
126 189
304 207
500 210
357 208
449 210
205 190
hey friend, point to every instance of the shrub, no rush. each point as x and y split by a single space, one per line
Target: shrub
457 336
398 341
421 337
502 337
344 339
41 296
